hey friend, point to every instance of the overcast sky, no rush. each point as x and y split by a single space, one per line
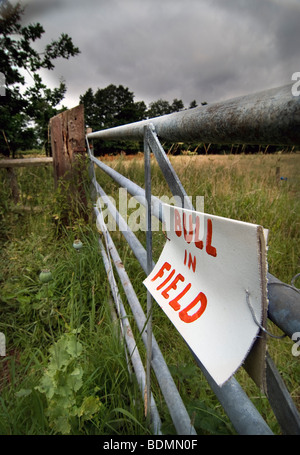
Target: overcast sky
203 50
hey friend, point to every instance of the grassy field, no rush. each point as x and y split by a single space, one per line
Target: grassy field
65 370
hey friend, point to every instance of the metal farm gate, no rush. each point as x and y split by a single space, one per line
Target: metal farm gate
270 117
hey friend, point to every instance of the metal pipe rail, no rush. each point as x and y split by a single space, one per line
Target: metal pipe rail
133 351
241 411
231 395
268 117
249 421
178 412
284 304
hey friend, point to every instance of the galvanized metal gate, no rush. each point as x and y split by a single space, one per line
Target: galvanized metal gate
270 117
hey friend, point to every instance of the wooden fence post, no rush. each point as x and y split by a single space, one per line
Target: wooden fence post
67 132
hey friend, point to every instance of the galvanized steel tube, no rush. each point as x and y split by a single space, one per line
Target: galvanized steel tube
284 301
147 166
284 305
132 347
180 417
268 117
131 239
132 188
243 414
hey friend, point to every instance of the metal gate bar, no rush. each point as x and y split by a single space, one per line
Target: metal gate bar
284 303
281 401
238 420
174 402
221 393
129 338
241 411
147 153
268 117
291 421
133 189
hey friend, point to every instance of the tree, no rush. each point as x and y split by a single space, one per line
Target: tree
90 109
163 107
109 107
21 106
158 108
193 104
177 105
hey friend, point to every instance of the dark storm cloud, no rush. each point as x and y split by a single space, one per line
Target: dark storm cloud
278 19
187 49
288 35
41 7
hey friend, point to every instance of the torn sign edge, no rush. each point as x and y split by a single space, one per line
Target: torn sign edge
254 360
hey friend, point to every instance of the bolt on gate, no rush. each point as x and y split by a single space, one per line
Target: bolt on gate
269 117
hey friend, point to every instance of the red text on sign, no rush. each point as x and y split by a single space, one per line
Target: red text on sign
191 231
174 302
191 262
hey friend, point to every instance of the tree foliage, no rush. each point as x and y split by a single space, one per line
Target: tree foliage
25 110
163 107
113 106
21 104
109 107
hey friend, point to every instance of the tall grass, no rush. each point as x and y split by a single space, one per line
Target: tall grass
73 310
247 188
36 316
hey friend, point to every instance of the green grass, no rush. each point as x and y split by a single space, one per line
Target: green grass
241 187
36 316
37 395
